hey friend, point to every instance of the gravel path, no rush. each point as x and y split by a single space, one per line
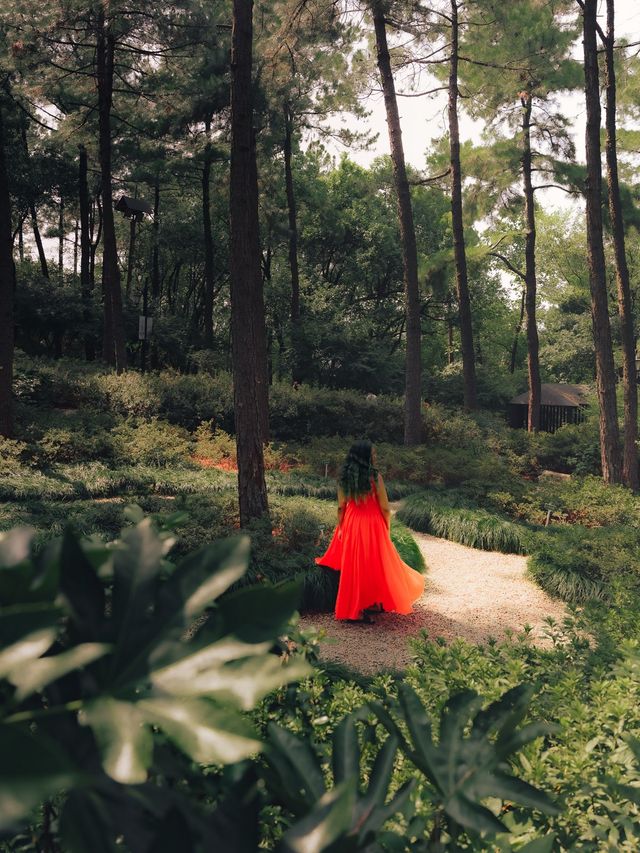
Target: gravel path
468 593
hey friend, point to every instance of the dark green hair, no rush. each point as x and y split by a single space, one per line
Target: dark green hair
357 471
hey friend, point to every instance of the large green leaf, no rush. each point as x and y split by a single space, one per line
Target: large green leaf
346 752
202 577
27 649
301 767
213 671
326 822
260 612
125 742
80 589
85 824
43 671
15 546
206 732
136 564
18 621
32 768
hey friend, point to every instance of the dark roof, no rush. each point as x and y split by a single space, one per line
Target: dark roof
126 203
556 395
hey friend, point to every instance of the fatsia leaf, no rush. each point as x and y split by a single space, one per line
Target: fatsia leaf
136 564
43 671
260 612
243 682
85 824
125 742
497 784
81 589
206 732
20 620
420 730
15 546
27 649
346 752
380 815
472 815
304 773
202 577
505 713
381 773
32 768
325 824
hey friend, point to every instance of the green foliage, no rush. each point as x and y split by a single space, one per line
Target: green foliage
467 764
578 564
106 661
444 516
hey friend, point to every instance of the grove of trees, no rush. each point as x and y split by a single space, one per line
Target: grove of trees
267 256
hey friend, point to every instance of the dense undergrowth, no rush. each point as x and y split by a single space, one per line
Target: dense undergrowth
90 445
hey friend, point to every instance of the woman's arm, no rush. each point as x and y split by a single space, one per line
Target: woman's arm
383 500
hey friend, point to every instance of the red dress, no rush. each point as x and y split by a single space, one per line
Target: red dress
371 570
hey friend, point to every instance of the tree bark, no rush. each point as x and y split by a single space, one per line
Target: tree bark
605 374
155 255
114 336
457 224
413 369
293 246
131 256
247 302
625 304
208 241
44 266
530 279
86 282
7 287
516 336
61 241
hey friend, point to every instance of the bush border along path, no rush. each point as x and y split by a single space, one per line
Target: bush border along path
472 594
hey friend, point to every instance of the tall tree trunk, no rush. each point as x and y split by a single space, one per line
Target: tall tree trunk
44 266
208 241
114 321
413 370
247 305
610 454
457 223
131 256
21 240
516 336
155 257
293 246
86 283
61 241
531 284
76 245
7 286
625 304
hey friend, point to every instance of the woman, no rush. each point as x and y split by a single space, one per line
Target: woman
372 574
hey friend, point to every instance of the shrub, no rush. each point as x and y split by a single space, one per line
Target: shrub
578 564
151 442
471 526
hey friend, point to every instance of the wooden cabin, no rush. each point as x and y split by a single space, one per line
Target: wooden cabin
560 404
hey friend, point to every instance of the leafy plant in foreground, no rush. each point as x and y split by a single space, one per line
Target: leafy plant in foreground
468 764
109 687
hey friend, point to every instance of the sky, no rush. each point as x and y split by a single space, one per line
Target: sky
425 118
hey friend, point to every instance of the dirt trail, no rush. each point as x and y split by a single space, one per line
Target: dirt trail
468 593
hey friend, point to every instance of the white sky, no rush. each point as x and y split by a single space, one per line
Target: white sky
425 118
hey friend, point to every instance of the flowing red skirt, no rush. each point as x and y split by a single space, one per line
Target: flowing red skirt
371 570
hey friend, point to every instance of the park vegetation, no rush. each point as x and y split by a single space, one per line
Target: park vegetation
163 495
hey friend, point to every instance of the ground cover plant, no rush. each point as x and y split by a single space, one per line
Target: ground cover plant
475 482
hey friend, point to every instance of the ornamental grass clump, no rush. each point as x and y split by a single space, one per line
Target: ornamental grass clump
468 525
